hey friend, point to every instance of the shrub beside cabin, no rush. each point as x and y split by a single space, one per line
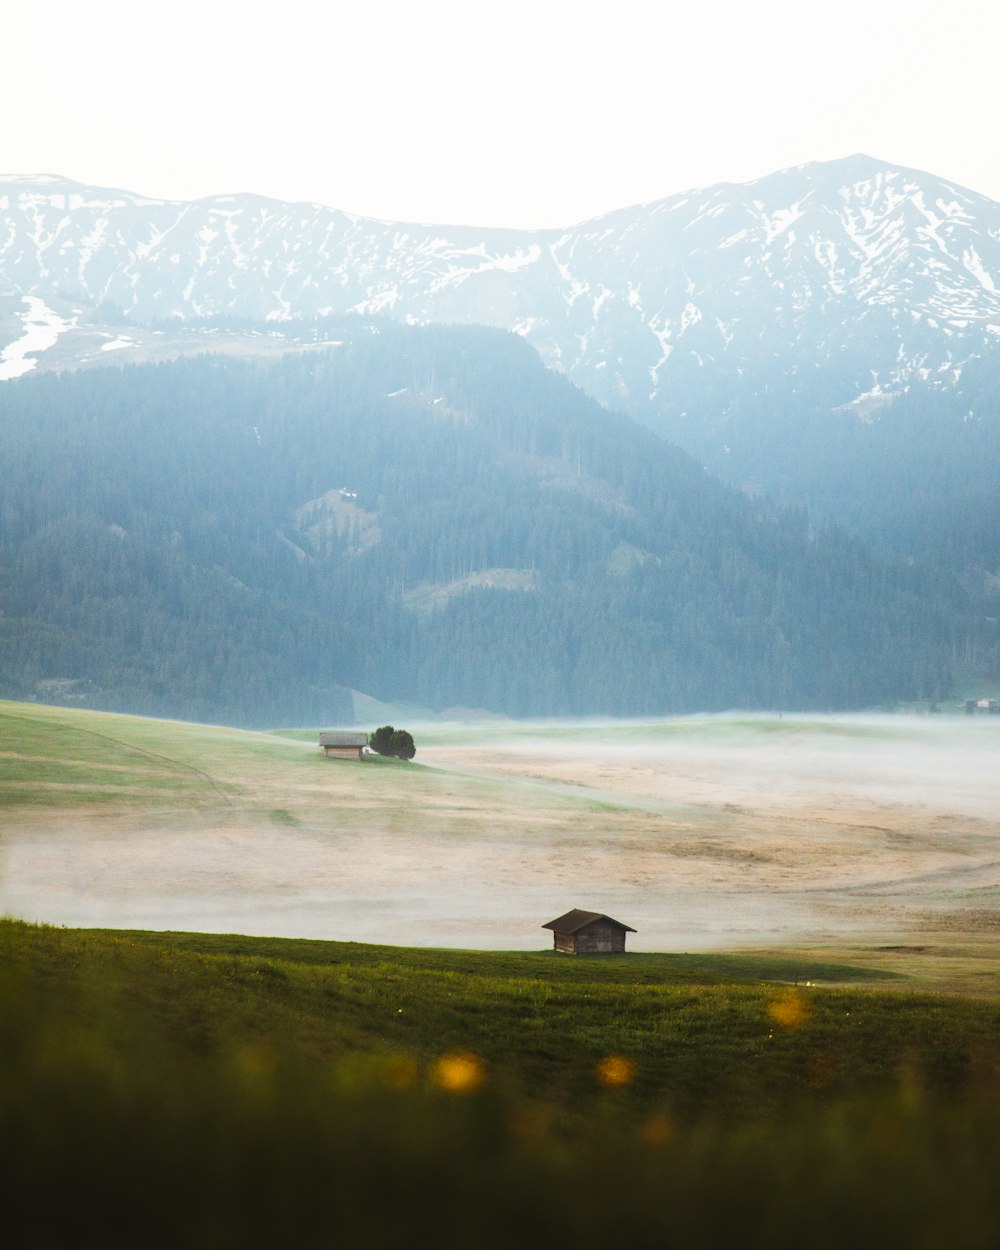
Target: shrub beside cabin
343 746
588 933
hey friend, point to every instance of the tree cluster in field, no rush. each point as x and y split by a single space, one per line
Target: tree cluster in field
397 743
283 532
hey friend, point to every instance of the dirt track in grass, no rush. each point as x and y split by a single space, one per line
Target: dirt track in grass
705 833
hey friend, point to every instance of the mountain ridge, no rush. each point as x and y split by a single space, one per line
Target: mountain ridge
862 161
884 275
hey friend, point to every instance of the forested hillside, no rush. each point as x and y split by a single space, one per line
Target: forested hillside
422 513
917 473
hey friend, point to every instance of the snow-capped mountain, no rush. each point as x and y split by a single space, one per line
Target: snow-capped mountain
829 335
865 275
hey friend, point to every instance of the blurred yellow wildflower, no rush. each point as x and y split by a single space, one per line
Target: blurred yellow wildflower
615 1070
459 1073
790 1009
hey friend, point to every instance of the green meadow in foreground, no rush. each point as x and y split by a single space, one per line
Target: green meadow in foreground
184 1089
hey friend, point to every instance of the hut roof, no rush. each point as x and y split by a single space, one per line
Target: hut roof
576 920
343 740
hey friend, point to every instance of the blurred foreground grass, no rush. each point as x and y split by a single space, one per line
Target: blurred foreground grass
189 1090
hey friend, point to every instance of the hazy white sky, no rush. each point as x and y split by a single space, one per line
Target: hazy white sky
522 113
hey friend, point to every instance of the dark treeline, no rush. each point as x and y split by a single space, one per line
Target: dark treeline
247 541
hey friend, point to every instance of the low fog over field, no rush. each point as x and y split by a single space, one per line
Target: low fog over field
699 832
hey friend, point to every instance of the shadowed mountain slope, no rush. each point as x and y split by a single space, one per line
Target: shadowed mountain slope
424 514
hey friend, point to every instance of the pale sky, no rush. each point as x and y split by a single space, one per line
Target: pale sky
525 113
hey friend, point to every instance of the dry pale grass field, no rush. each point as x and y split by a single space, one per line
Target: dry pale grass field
876 838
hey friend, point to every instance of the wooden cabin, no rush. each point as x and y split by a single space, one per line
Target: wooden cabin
588 933
343 746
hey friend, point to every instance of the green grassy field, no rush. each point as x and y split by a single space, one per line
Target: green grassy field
229 1091
147 813
64 757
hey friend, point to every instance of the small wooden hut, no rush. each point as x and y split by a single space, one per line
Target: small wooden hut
588 933
343 746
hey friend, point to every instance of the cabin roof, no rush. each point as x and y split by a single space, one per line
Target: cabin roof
340 739
576 920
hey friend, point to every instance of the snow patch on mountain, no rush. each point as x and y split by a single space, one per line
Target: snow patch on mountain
972 262
117 344
41 330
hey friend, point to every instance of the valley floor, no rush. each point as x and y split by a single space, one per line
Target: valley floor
878 838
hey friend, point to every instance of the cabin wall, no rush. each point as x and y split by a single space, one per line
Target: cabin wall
600 938
343 753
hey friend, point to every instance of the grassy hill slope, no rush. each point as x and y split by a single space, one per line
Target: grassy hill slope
126 822
232 1092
